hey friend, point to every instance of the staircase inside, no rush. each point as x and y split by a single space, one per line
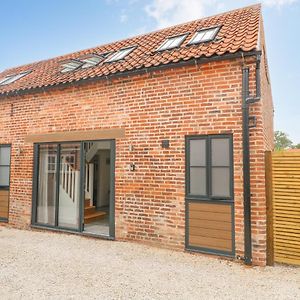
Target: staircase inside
97 188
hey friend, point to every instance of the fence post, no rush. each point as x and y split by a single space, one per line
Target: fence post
269 203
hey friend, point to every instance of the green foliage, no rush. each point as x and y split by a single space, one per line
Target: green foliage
297 146
282 141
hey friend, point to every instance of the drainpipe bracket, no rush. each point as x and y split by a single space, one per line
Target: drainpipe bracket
251 100
252 124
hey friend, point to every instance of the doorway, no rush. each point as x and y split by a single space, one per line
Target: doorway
74 186
97 188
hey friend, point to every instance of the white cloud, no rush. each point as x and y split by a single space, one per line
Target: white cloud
124 17
278 3
170 12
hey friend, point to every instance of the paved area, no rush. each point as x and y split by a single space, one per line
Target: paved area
44 265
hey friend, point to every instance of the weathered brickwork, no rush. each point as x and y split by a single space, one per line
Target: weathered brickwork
163 104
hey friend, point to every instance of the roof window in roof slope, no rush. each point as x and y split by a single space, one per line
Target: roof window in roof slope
204 35
172 42
12 78
120 54
91 60
71 65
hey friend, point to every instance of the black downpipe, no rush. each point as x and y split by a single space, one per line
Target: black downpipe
246 101
246 169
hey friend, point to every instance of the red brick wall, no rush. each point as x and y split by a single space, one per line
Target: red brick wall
261 140
163 104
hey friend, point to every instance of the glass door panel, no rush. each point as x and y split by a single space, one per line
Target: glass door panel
46 198
69 186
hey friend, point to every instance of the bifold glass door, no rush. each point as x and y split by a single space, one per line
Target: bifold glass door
73 186
58 185
47 180
69 186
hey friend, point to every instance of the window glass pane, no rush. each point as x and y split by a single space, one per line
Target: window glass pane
167 44
220 152
120 54
209 35
198 181
198 37
46 186
220 182
69 187
172 42
4 156
197 152
4 176
204 35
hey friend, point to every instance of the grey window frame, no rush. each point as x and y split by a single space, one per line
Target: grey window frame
182 36
12 78
6 187
209 167
192 42
113 57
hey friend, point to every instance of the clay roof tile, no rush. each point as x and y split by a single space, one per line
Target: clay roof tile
238 32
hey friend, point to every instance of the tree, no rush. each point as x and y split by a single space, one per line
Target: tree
297 146
282 141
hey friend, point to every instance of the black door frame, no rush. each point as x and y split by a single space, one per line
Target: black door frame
112 187
34 222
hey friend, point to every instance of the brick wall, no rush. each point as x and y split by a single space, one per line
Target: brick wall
261 140
162 104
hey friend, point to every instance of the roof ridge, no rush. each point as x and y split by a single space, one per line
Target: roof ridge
129 38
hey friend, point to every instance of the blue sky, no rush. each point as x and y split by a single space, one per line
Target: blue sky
32 30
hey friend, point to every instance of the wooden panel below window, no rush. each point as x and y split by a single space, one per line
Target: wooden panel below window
210 226
4 196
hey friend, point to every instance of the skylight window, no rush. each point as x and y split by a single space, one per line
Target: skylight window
204 35
91 61
120 54
172 42
12 78
71 65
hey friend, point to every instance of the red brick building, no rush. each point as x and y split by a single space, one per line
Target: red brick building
158 138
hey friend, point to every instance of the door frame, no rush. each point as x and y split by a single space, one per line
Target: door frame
35 180
208 199
112 188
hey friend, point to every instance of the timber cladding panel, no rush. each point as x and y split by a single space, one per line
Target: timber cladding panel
4 196
210 226
284 206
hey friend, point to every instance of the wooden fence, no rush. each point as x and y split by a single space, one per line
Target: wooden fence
283 206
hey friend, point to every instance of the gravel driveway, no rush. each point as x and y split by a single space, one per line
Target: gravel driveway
44 265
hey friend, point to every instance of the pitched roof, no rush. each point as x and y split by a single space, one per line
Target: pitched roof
239 31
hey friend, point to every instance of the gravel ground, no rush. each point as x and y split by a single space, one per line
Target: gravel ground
45 265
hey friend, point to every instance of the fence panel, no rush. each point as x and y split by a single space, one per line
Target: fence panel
283 206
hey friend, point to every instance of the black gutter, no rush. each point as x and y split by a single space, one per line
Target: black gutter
144 70
246 101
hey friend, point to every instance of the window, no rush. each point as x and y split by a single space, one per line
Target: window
91 61
71 65
204 35
4 166
4 181
51 163
172 42
209 167
120 54
12 78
